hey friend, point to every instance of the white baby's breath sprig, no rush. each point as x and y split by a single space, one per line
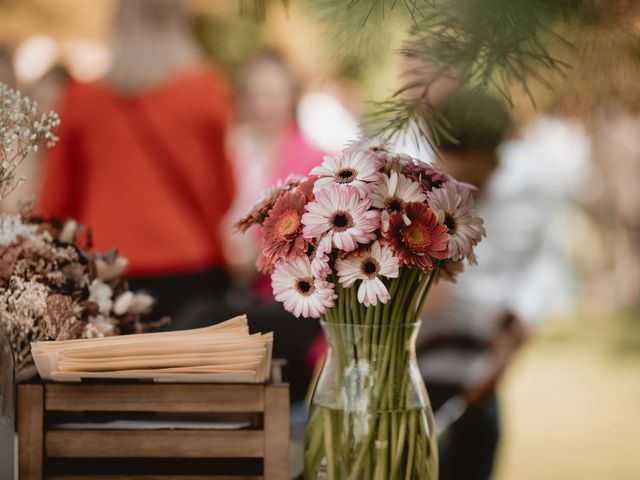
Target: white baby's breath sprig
22 130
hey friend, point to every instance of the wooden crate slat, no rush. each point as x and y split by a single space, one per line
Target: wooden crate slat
276 432
155 477
155 443
30 426
196 398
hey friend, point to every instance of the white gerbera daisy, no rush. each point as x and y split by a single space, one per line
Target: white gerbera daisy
340 218
354 169
301 294
453 205
392 195
377 262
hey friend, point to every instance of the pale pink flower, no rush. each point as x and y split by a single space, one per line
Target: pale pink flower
340 218
453 205
354 169
303 295
368 267
392 195
374 147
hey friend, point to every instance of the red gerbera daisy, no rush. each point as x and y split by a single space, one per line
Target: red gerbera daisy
283 227
421 241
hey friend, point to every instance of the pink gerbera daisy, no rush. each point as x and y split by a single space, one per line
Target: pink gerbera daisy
301 294
418 243
283 227
453 205
340 218
378 261
353 169
393 193
267 200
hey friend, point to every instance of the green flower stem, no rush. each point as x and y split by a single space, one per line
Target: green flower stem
340 293
382 447
378 317
417 296
399 303
432 278
399 447
347 304
329 446
393 420
368 333
412 446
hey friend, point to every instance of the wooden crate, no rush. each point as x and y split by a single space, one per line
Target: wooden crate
49 453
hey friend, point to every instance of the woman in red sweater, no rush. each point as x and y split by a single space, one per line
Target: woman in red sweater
142 159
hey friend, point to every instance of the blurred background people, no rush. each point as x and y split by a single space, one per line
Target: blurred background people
473 328
142 159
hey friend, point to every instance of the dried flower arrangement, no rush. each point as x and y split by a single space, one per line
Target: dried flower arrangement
52 287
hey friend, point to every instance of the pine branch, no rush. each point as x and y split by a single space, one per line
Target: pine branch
485 44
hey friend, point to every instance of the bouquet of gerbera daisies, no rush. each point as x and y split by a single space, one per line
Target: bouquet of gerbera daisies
359 242
358 220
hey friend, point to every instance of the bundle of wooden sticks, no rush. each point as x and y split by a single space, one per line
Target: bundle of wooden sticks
222 353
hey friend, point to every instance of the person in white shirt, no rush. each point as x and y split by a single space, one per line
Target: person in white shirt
472 328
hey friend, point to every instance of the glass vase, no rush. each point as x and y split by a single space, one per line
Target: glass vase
7 422
370 416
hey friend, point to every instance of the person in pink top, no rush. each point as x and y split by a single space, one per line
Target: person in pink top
266 145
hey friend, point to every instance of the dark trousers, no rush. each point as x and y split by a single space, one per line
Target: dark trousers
468 447
183 296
